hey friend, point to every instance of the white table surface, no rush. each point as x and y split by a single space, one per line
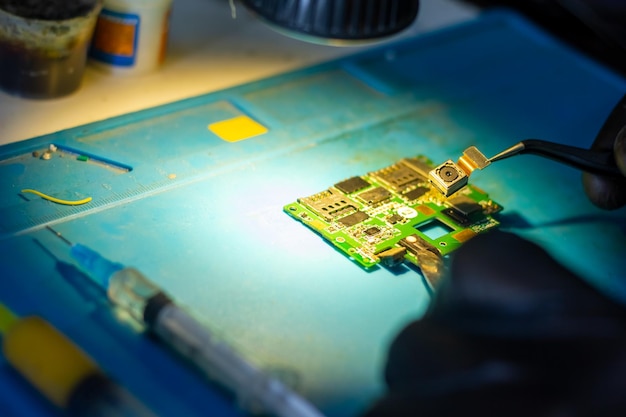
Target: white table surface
208 50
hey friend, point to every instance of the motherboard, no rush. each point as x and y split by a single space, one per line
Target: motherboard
396 215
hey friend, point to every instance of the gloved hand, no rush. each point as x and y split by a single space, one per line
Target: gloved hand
510 332
610 193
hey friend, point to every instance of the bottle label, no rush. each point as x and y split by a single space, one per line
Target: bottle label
115 38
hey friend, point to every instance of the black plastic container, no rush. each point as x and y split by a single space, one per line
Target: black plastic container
45 58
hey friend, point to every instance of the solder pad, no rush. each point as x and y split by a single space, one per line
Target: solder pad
368 217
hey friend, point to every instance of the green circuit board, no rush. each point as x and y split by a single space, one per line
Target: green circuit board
379 217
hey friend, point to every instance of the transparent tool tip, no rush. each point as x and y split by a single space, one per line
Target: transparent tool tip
98 267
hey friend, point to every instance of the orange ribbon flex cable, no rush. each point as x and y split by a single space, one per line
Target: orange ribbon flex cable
62 372
58 200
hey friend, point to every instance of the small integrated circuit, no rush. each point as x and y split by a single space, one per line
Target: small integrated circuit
397 215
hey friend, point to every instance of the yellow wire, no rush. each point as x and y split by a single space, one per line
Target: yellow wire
7 318
58 200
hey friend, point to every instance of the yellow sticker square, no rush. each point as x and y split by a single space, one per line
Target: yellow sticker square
238 128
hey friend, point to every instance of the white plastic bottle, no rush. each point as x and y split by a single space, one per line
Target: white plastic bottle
131 36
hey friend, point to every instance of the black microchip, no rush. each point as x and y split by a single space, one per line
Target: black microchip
353 219
352 184
465 205
464 210
457 216
395 218
374 196
371 231
416 193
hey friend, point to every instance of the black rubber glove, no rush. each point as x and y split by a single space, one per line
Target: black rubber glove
610 193
510 332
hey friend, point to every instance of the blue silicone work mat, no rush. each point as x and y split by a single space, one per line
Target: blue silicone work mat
202 216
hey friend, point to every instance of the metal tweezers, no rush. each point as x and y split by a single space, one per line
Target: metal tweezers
595 162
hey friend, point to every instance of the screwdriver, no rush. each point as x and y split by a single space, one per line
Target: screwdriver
62 372
130 290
